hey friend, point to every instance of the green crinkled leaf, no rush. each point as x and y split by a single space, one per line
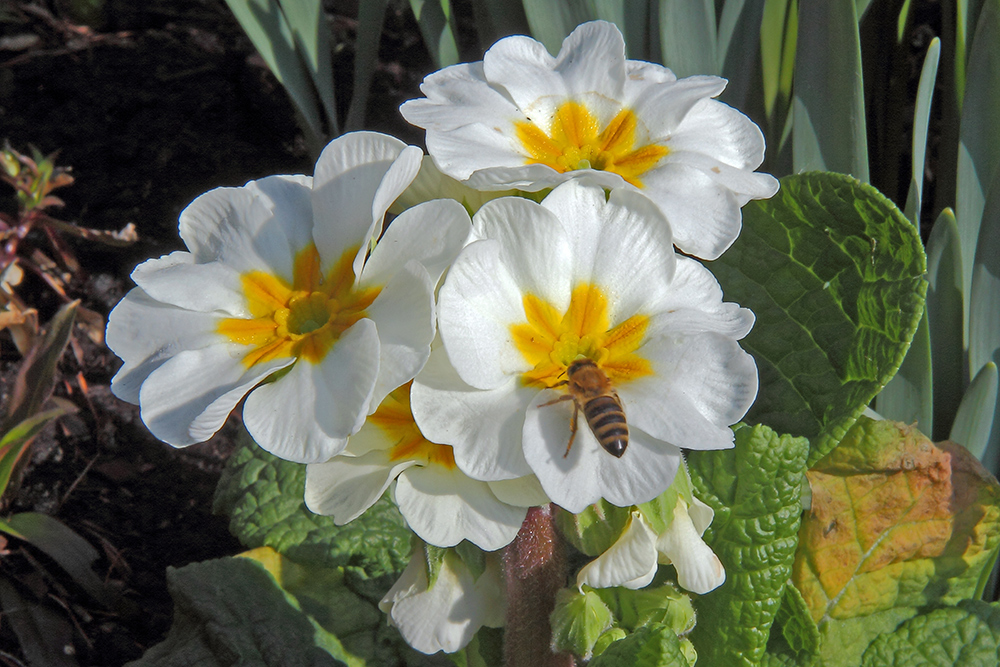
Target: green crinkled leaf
779 660
833 271
755 490
263 496
963 636
650 646
798 630
842 643
331 597
230 611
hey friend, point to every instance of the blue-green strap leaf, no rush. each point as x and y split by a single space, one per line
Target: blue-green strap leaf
944 309
974 419
688 39
829 128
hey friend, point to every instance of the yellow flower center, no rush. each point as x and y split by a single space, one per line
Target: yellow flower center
396 421
551 340
575 141
301 320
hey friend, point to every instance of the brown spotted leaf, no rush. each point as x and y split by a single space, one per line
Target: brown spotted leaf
896 521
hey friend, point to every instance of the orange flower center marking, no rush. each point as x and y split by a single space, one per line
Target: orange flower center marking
551 341
575 141
301 320
396 421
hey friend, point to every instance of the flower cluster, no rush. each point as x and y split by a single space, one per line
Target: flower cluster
552 347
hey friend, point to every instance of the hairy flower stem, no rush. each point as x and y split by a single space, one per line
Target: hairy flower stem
534 567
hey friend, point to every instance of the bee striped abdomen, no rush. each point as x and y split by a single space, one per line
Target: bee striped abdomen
606 419
593 394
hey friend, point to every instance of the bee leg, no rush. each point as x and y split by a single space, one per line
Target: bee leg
566 397
572 429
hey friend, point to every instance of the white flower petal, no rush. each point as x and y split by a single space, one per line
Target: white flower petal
444 507
358 176
189 396
369 438
693 304
604 230
699 570
744 184
432 233
716 130
664 108
520 492
210 288
703 212
641 73
403 314
307 415
534 246
484 427
344 487
527 177
446 616
592 60
590 64
708 381
477 304
525 71
457 96
525 251
701 515
588 472
146 333
630 562
258 227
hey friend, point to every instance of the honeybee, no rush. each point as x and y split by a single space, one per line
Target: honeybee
592 393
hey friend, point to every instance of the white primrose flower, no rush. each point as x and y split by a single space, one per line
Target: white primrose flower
578 277
445 614
524 119
278 296
632 560
440 503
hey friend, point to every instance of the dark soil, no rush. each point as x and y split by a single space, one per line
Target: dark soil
153 104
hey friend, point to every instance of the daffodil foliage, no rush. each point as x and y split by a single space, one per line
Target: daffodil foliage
509 417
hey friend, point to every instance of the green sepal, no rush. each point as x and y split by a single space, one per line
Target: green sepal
605 640
659 512
579 618
434 556
595 529
664 604
473 557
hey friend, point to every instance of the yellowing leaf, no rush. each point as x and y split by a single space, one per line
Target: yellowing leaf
895 521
